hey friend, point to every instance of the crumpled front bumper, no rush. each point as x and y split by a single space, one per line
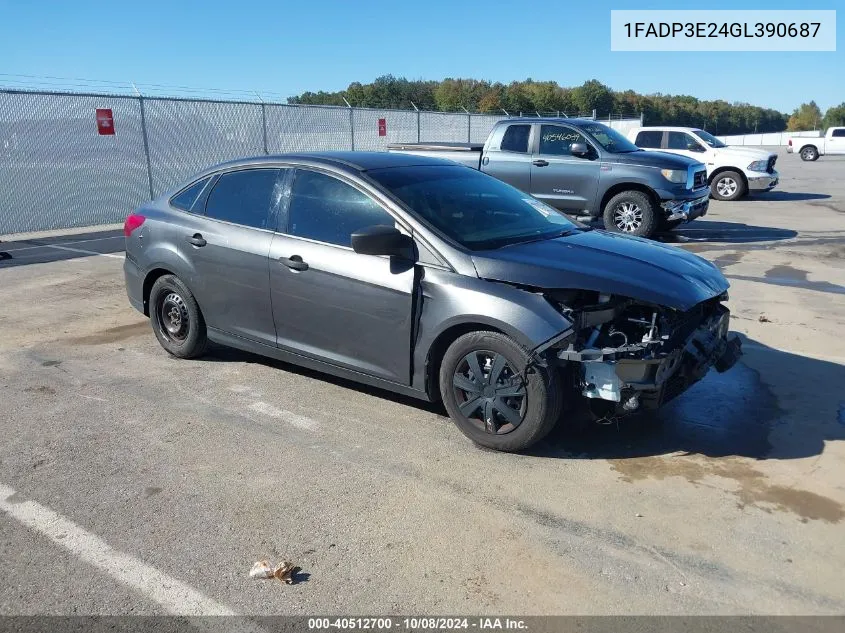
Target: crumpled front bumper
686 210
650 382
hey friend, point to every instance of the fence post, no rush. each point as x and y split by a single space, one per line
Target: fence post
418 120
264 125
146 147
469 124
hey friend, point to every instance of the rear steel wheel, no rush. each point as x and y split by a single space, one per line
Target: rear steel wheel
176 318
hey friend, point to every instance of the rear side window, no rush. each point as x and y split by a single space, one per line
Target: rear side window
516 139
839 132
556 140
245 197
329 210
650 139
186 198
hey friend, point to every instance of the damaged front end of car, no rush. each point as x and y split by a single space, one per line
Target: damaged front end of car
626 355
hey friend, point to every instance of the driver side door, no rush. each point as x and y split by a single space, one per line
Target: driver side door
329 302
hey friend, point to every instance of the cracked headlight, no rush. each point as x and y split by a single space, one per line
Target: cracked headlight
758 165
674 175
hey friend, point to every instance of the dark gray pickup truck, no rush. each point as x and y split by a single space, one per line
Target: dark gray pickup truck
585 168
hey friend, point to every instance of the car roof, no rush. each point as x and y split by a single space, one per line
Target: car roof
349 161
528 119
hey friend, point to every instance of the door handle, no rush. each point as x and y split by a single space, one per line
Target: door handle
196 239
294 262
540 163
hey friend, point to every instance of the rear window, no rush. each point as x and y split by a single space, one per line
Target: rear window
650 139
839 132
516 139
186 198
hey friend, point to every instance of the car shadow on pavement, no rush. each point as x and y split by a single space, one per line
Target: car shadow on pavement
788 196
717 231
223 354
788 412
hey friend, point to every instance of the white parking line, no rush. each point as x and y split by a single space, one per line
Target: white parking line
81 250
95 239
298 421
173 595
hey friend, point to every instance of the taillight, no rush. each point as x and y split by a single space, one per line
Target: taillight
132 222
789 142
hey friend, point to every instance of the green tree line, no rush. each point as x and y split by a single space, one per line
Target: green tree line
529 96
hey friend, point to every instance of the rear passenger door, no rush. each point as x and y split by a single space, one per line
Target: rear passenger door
329 302
229 246
558 178
508 157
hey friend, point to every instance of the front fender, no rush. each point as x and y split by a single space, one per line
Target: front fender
451 303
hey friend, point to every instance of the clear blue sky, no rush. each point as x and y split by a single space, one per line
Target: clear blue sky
287 47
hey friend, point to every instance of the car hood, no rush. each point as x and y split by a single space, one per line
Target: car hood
661 160
608 263
744 152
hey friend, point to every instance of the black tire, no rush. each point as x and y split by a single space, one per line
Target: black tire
809 153
176 318
631 213
727 186
535 412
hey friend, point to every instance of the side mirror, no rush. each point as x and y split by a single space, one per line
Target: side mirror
382 240
694 147
581 150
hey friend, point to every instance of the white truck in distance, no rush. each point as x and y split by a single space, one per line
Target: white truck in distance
810 148
731 171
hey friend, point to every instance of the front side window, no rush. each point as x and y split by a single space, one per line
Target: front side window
186 198
556 140
329 210
650 139
516 139
681 141
245 197
471 208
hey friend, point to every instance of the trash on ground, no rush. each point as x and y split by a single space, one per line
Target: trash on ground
261 570
284 571
764 319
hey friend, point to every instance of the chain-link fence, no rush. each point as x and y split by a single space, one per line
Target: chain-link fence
58 170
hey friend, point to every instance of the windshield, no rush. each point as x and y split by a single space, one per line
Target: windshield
708 138
473 209
609 139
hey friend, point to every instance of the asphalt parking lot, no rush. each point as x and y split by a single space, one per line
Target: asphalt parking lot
135 483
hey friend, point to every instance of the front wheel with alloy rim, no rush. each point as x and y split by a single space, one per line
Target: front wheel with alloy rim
494 393
727 186
631 213
176 318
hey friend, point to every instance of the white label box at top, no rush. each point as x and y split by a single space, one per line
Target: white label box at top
703 30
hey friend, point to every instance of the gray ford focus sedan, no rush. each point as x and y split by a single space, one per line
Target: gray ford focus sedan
426 278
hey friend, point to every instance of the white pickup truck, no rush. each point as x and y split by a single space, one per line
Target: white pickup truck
732 171
810 148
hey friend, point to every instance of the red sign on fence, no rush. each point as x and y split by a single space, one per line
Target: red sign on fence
382 127
105 121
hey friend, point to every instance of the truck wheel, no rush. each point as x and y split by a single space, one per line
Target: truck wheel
495 395
632 213
727 186
809 153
